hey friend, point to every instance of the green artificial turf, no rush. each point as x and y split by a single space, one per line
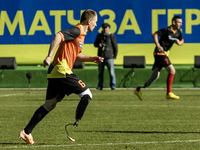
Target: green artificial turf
114 120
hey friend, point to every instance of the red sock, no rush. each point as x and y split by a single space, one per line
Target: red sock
169 82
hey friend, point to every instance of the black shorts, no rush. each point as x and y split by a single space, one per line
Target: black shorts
161 61
59 87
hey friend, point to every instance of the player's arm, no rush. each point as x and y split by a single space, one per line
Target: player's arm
155 39
54 43
84 58
179 42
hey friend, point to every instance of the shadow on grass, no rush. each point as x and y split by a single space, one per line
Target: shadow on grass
13 144
145 132
17 145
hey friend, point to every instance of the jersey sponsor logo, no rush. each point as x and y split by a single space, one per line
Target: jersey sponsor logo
172 38
80 44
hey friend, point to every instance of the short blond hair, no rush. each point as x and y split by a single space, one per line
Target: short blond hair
88 14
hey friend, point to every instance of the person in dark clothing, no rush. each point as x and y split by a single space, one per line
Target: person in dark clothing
168 36
108 49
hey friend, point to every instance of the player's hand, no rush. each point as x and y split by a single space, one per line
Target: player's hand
97 59
47 62
160 48
100 45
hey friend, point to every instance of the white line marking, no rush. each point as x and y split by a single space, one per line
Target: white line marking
164 106
10 95
102 144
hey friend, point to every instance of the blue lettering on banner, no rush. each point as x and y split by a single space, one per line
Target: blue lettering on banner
36 21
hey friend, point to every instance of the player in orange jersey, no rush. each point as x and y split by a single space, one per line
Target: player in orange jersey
61 80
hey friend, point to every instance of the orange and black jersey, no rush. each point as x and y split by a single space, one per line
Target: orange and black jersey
168 37
70 46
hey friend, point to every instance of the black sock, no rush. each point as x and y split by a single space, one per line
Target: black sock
39 114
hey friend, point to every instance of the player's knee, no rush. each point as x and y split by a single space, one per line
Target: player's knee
86 92
158 75
50 104
86 98
173 71
155 75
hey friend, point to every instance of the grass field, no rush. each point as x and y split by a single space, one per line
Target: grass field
114 120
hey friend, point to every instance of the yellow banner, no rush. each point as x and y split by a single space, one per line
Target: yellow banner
35 54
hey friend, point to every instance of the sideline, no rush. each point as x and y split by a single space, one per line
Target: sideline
103 144
38 89
6 95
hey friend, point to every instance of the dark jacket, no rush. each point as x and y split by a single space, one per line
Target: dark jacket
110 48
